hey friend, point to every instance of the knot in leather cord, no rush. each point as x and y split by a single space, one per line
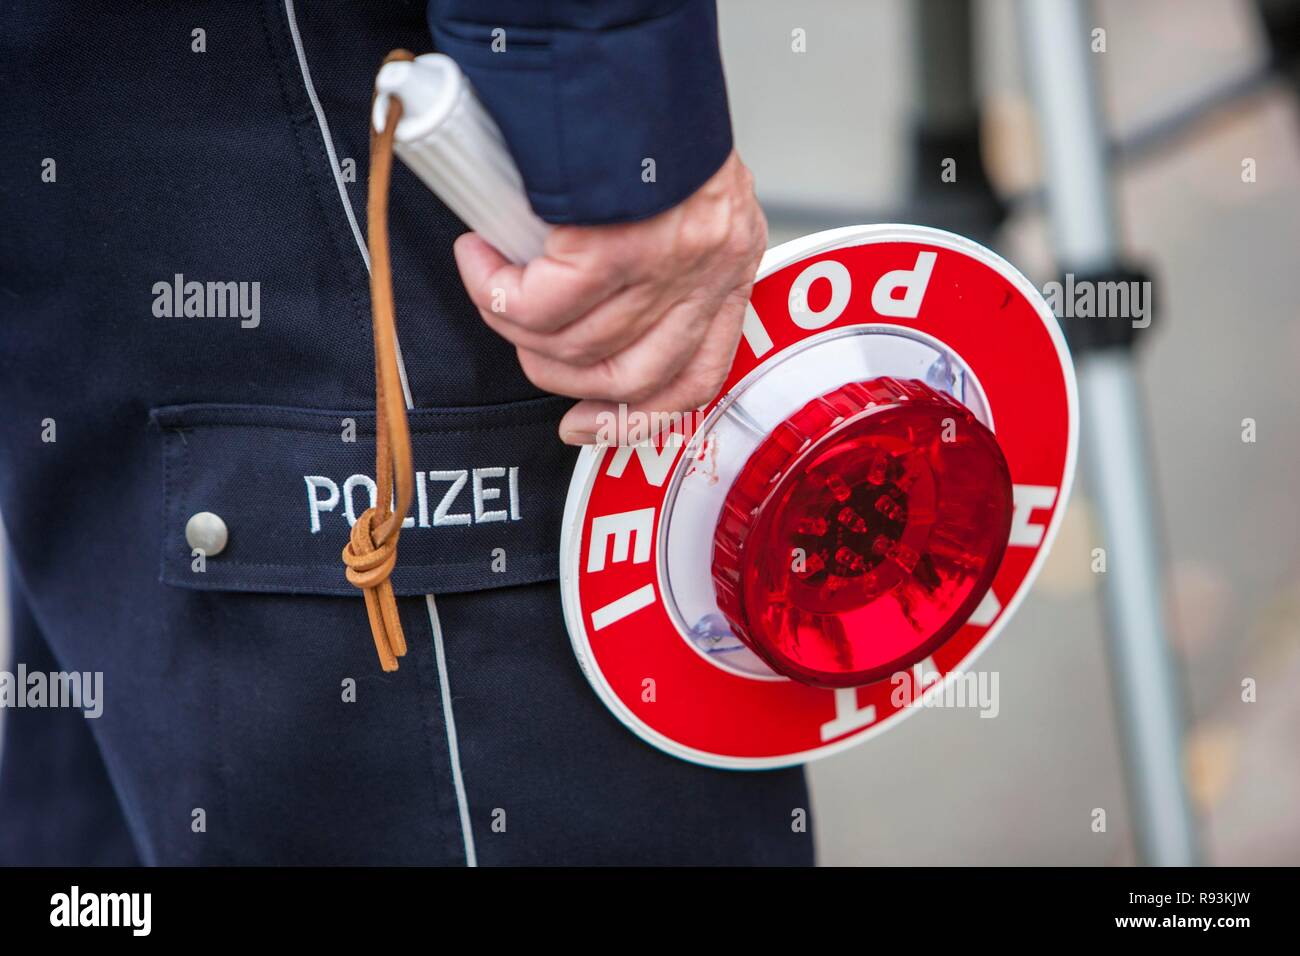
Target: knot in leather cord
371 552
369 562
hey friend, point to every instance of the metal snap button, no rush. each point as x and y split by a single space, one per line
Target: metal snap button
206 532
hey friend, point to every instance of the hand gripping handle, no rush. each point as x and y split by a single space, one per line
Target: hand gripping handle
448 139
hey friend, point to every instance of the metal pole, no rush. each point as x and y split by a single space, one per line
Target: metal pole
1056 37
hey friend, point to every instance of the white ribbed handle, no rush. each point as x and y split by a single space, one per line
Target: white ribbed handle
448 139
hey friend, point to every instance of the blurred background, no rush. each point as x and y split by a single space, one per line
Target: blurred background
829 135
948 787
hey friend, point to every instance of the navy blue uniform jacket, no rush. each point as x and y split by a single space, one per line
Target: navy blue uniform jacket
155 149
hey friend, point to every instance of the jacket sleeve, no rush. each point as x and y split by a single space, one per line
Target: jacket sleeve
614 109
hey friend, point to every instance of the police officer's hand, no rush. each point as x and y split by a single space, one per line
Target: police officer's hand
647 313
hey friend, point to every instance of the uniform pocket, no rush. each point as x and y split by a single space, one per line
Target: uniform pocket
286 484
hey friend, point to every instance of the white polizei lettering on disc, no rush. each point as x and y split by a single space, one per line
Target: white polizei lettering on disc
848 715
484 494
801 313
350 486
1027 499
655 462
624 527
614 611
986 611
631 532
316 504
514 493
441 515
913 281
755 333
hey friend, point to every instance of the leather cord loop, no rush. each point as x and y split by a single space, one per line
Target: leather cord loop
371 552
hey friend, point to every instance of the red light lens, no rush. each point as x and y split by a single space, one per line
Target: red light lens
862 533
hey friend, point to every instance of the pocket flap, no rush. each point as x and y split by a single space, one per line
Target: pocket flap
286 485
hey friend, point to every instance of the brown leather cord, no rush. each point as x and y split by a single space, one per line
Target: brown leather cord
371 553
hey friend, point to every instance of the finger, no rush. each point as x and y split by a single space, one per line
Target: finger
696 385
478 262
609 328
633 373
545 295
582 424
590 422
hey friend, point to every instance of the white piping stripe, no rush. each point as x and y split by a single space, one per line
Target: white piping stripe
325 131
453 745
401 372
338 176
449 719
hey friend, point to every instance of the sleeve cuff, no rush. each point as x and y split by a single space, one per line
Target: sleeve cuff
606 125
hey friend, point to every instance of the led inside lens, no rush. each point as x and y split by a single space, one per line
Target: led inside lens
862 532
